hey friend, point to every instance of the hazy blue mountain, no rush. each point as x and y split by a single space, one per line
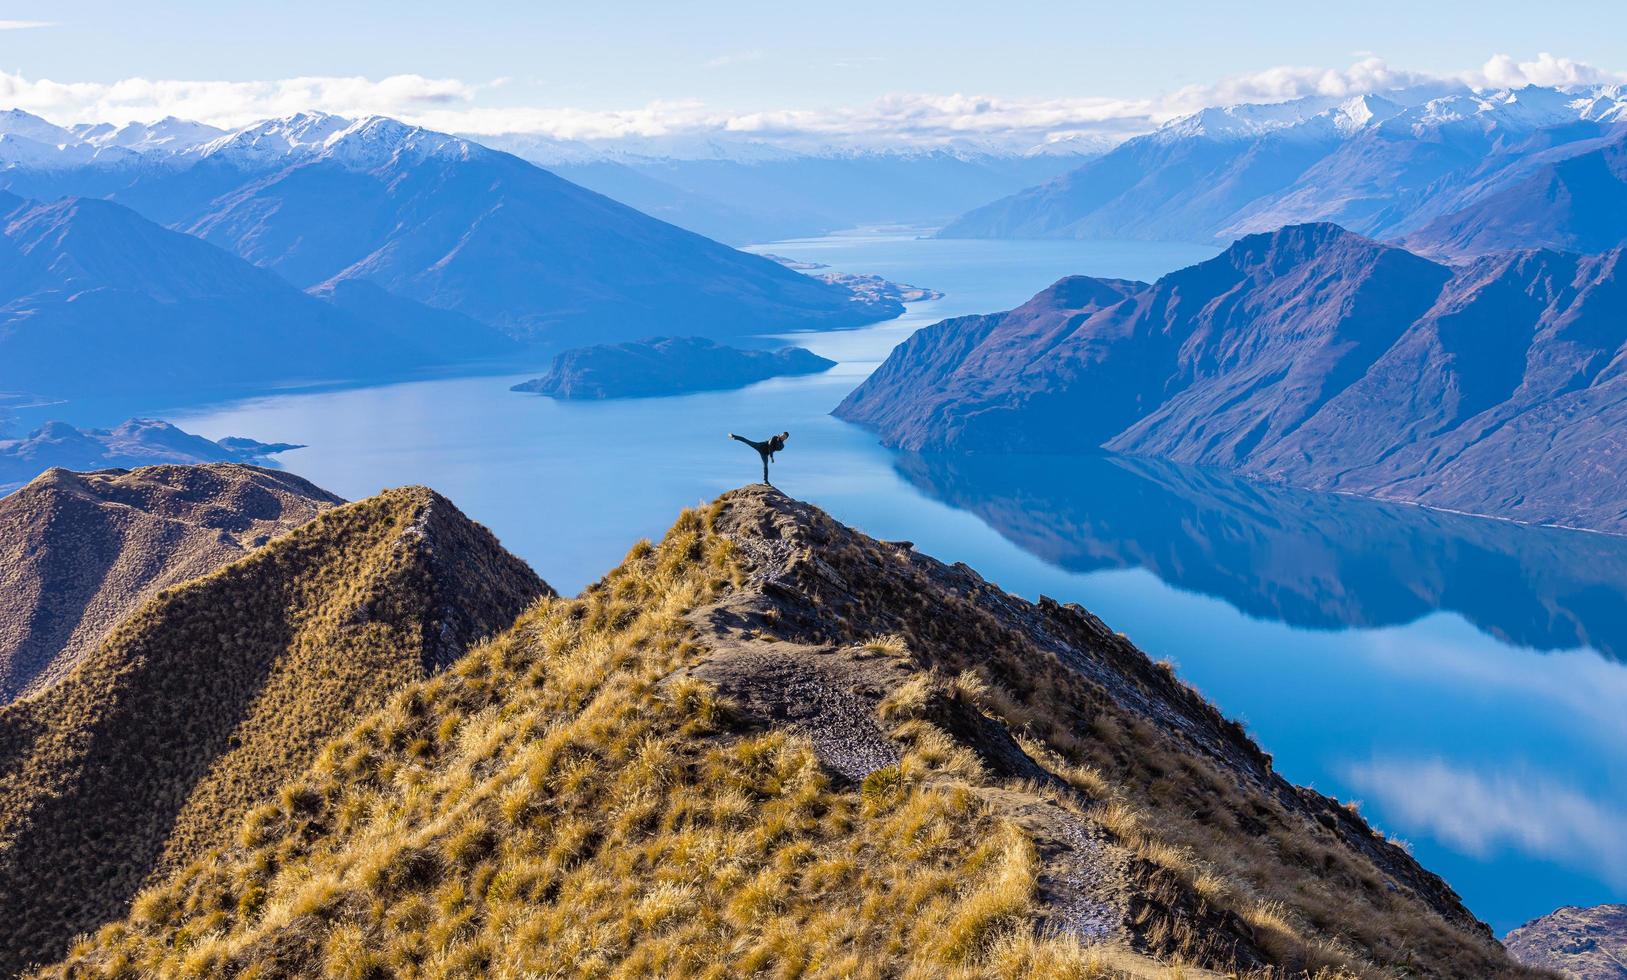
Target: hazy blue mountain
1475 167
137 442
666 366
1577 204
441 221
1311 356
803 195
97 301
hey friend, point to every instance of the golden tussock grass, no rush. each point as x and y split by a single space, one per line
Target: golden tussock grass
554 806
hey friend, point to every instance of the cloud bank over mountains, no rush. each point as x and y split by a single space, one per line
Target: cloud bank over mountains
902 119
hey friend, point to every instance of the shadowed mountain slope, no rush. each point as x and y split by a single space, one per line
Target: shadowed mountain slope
771 744
1577 204
147 754
95 300
1310 356
459 227
81 551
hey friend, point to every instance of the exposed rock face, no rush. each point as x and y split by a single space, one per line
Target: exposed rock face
216 691
1580 943
1310 356
137 442
666 366
81 551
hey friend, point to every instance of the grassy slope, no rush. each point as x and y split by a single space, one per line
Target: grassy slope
582 797
205 700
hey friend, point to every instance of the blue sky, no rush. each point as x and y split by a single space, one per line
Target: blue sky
764 56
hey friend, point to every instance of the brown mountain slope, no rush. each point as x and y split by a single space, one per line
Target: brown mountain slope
773 746
1580 943
80 551
150 751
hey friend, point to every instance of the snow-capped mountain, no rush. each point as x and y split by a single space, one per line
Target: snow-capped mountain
26 125
734 187
412 234
167 135
1387 165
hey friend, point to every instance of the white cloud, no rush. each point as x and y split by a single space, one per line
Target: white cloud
23 25
736 58
230 103
1481 813
1502 71
905 118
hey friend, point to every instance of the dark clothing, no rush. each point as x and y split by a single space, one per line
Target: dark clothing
766 449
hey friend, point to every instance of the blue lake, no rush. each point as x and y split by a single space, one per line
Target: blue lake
1463 678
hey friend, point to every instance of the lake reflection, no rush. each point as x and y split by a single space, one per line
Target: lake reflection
1307 559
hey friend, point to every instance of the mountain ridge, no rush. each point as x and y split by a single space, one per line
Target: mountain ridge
1310 356
1442 172
454 225
146 755
830 772
84 550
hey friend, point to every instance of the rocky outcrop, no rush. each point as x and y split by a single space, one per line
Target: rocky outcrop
1310 356
666 366
1579 943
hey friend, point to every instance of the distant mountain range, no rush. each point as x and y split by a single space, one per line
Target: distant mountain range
136 442
1311 356
429 249
1450 172
803 195
734 188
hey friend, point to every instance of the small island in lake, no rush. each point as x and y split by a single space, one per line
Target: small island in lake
872 288
666 366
